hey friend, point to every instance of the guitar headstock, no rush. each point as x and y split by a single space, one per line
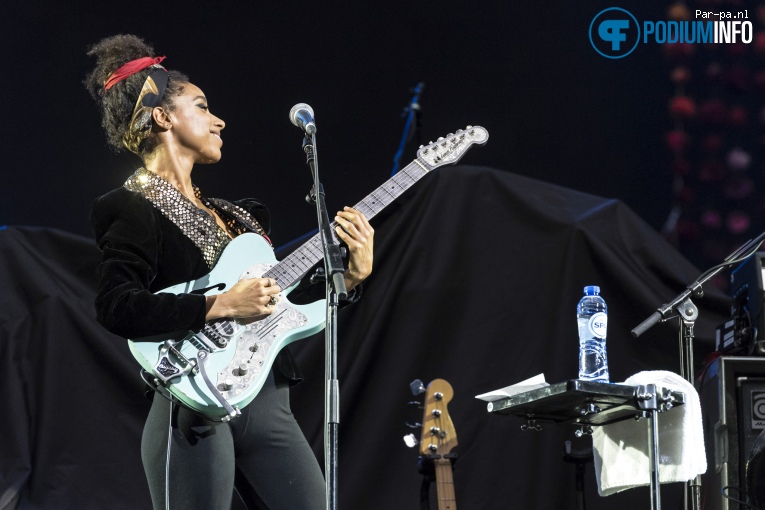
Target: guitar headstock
452 147
438 434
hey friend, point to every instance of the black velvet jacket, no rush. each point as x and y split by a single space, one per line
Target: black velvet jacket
145 252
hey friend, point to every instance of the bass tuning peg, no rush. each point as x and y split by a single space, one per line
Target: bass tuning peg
417 387
410 440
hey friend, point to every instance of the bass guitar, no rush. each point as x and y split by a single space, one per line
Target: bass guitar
220 369
438 439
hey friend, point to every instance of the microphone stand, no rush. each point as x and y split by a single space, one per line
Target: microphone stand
412 110
333 268
683 308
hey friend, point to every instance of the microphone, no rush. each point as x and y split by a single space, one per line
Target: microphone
302 116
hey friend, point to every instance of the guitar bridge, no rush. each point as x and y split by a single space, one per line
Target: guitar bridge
166 369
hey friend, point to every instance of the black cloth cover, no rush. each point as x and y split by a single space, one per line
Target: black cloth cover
476 279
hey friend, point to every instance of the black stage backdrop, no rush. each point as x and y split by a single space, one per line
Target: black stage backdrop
477 275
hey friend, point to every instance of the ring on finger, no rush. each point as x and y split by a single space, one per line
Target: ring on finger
272 301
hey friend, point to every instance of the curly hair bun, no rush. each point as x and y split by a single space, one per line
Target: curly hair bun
111 54
118 102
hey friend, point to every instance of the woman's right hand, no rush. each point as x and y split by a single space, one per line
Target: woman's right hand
250 299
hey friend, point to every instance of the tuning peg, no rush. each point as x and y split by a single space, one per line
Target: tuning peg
421 146
410 440
417 387
440 138
469 127
430 143
450 134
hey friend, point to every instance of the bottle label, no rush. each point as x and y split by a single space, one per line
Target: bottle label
598 324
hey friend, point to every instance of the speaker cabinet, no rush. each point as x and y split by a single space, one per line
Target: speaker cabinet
747 286
733 408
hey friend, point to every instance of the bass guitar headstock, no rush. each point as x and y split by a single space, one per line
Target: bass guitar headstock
438 435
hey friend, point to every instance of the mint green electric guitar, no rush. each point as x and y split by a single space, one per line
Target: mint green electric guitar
222 368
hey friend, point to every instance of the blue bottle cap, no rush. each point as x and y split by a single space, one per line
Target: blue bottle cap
592 290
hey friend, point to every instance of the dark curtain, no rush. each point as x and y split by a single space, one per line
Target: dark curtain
477 275
72 398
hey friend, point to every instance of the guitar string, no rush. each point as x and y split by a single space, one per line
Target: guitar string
297 264
443 465
394 187
401 182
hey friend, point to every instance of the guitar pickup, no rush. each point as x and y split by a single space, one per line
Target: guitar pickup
215 335
209 341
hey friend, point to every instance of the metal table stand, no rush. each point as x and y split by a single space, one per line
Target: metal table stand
587 404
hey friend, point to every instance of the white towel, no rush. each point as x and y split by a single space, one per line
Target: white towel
621 449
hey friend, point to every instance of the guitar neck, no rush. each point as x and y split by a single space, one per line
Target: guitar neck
445 485
290 270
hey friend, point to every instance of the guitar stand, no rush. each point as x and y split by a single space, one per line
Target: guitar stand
587 404
427 469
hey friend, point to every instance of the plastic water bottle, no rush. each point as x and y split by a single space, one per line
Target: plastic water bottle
592 317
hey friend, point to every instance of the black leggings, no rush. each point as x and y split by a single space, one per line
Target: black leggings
265 445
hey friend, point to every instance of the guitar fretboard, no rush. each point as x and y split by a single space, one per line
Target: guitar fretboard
445 485
290 270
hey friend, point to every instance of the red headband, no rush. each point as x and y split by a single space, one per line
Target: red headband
130 69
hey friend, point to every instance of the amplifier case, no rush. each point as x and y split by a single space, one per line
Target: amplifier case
731 389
